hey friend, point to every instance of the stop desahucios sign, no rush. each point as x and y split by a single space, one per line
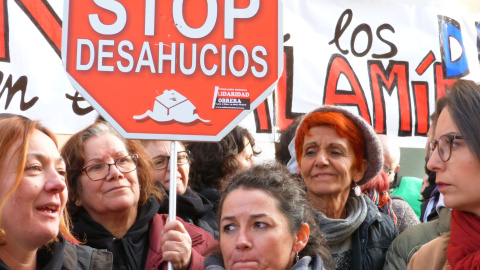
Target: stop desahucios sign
173 69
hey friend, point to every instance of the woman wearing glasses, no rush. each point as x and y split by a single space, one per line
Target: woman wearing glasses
455 158
191 206
114 204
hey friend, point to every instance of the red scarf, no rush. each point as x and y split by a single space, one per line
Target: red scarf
463 252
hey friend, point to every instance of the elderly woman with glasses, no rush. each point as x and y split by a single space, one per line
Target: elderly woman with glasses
455 158
114 204
191 206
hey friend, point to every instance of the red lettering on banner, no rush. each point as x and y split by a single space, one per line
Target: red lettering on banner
337 66
425 63
420 91
44 18
396 75
4 50
441 84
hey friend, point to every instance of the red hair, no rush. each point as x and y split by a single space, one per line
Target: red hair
380 183
344 127
16 132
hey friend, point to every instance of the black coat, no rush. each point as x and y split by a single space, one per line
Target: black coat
196 209
62 255
372 239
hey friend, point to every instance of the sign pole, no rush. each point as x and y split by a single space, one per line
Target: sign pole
173 187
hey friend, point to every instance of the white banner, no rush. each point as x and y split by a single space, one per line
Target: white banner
387 62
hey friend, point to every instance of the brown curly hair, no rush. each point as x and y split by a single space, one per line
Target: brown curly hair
212 162
74 155
275 179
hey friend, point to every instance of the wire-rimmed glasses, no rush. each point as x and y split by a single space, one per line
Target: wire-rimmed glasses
161 162
99 171
444 144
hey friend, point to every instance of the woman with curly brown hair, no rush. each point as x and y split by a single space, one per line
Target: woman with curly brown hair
213 162
266 222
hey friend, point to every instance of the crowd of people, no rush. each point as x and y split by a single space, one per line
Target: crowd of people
331 200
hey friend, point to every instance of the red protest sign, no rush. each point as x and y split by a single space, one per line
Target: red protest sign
173 70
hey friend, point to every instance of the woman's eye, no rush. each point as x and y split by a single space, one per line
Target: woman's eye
455 143
337 153
122 160
34 168
260 225
228 228
62 172
309 152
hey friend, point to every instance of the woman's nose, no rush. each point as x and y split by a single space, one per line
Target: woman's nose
321 159
243 240
56 182
434 163
114 173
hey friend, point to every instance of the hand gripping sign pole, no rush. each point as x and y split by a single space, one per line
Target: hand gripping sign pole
173 187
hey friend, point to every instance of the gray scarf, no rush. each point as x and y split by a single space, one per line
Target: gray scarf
338 230
313 262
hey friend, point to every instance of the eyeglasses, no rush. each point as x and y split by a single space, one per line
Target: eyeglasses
101 170
161 162
444 144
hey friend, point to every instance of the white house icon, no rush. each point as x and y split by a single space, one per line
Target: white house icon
172 105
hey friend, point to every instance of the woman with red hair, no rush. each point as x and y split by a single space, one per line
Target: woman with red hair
396 207
34 224
337 152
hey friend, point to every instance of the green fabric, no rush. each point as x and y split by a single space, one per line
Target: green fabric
409 190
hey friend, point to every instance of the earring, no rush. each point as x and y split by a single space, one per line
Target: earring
77 203
297 258
357 190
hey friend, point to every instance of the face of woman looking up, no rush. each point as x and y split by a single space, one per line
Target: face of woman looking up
457 178
117 191
327 164
33 212
254 234
245 158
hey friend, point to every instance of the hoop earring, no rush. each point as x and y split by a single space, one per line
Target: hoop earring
357 190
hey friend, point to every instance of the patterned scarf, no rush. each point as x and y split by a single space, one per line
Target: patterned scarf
463 251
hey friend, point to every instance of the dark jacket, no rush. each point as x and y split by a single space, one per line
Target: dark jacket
140 248
62 255
212 195
194 208
372 239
